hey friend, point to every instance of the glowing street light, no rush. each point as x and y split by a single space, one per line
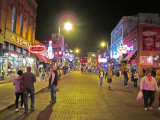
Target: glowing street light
68 26
93 55
77 51
103 44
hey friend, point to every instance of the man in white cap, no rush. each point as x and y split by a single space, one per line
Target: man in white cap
53 80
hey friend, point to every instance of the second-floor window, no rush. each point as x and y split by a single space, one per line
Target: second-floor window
14 20
21 25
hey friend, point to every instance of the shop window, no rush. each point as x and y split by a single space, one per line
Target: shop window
25 52
14 20
21 25
11 47
29 54
19 50
5 45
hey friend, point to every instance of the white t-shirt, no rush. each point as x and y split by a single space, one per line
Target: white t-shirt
101 74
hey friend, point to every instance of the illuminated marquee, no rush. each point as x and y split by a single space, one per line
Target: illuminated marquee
37 49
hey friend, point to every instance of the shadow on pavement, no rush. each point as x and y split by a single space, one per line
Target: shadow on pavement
46 113
124 90
9 116
23 116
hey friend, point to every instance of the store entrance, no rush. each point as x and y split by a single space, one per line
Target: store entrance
3 68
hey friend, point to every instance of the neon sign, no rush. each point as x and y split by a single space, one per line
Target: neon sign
37 49
50 53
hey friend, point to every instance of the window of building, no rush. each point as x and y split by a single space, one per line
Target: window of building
14 20
26 29
11 47
25 52
19 50
21 25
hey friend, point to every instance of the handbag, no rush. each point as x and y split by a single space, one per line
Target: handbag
139 96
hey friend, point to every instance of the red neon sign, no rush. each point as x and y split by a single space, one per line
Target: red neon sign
37 49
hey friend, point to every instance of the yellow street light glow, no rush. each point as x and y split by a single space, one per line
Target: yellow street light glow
103 44
68 26
93 55
77 50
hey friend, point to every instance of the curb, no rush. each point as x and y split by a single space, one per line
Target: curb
36 92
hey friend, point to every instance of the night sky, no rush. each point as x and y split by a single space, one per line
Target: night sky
95 19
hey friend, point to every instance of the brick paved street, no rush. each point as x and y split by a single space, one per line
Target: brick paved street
81 98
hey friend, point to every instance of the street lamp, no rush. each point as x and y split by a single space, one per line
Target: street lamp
67 26
103 44
77 51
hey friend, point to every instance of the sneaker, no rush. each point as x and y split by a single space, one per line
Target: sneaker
146 109
22 107
150 108
17 110
158 108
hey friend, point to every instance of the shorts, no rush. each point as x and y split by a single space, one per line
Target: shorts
109 80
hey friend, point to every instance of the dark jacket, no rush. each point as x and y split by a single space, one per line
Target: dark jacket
125 74
55 78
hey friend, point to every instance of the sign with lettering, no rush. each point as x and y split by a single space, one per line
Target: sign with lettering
37 49
146 60
16 40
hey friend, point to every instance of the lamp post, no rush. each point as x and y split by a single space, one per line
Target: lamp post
68 27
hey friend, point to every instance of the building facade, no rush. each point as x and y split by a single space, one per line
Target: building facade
143 42
17 26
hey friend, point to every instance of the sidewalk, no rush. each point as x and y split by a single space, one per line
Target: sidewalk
7 93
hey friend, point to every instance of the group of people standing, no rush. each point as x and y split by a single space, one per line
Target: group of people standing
24 85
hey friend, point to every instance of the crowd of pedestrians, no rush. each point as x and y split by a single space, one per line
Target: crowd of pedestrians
149 83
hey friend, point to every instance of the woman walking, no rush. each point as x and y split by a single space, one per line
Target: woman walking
101 75
17 82
148 86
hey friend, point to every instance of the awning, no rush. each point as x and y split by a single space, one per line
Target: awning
130 55
43 58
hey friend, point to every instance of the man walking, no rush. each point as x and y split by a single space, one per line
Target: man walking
28 88
126 77
53 80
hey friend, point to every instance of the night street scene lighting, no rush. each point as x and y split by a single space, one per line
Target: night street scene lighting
79 60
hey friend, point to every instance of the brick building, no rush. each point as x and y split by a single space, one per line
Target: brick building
17 33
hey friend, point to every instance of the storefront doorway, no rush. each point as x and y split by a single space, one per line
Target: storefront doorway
3 68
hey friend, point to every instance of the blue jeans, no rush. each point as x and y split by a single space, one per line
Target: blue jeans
101 80
53 93
125 81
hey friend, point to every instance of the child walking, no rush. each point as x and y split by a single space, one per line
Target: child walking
17 82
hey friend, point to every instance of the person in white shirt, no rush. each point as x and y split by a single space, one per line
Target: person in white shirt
101 75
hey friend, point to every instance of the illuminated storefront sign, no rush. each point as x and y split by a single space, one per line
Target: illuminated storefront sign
123 49
37 49
102 60
146 60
